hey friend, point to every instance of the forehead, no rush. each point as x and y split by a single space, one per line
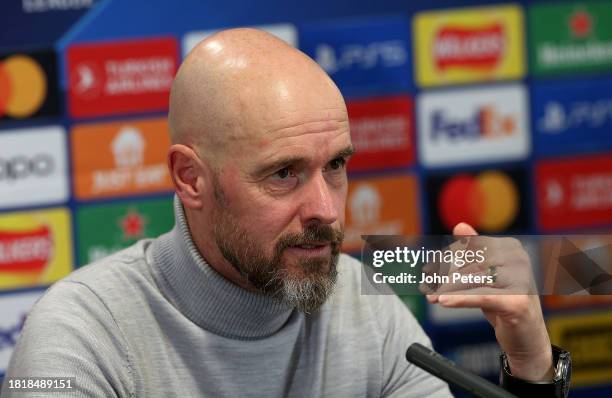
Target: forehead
313 135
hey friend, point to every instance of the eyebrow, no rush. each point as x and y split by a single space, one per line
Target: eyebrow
289 160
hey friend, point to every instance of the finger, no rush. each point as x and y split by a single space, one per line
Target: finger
464 229
487 298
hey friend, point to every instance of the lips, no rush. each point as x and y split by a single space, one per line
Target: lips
311 249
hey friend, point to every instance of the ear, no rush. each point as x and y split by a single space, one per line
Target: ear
189 175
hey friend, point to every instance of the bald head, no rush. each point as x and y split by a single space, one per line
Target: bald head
239 82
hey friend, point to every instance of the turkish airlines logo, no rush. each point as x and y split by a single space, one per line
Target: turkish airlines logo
87 80
120 77
25 251
474 48
575 192
388 54
123 77
584 193
386 132
382 132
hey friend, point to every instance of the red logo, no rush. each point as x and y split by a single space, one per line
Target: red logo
121 77
474 48
581 24
132 225
575 192
381 131
25 251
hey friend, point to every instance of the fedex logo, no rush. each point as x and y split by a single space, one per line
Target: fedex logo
473 125
487 122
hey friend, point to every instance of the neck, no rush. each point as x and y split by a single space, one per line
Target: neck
207 247
207 297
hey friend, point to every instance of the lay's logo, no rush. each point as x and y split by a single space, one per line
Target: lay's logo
470 48
469 45
35 248
25 251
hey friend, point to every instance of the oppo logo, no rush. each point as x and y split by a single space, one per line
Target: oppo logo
21 167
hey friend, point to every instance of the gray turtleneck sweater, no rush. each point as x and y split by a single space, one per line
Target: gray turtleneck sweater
155 320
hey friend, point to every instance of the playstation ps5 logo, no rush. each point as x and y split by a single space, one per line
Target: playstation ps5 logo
582 114
387 54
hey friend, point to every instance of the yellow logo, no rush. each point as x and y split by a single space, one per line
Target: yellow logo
23 86
587 338
35 248
469 45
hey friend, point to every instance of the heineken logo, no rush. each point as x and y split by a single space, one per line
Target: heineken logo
578 38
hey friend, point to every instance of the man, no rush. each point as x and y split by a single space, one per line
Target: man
248 295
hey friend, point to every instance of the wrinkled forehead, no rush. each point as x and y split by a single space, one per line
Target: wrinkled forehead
302 139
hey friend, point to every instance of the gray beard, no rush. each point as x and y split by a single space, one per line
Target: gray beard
307 292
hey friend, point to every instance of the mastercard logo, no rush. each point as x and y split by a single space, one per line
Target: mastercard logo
488 201
23 86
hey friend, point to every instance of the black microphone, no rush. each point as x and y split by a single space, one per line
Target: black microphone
448 371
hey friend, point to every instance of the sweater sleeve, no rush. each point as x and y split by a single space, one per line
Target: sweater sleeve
401 378
71 333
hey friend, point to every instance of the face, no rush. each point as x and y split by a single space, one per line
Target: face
279 204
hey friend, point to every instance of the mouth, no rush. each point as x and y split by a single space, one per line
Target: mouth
312 249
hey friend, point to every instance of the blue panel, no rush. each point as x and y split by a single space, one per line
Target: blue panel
363 56
38 23
572 116
131 18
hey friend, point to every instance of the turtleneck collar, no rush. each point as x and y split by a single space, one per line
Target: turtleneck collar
204 296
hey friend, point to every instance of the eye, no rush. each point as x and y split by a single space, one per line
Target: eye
337 163
283 173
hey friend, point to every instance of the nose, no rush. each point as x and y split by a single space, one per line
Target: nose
318 202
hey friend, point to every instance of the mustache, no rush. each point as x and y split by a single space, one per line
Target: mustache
313 234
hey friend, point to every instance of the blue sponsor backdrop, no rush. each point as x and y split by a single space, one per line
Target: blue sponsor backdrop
366 48
365 56
572 116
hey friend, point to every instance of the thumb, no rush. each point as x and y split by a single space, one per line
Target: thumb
464 229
